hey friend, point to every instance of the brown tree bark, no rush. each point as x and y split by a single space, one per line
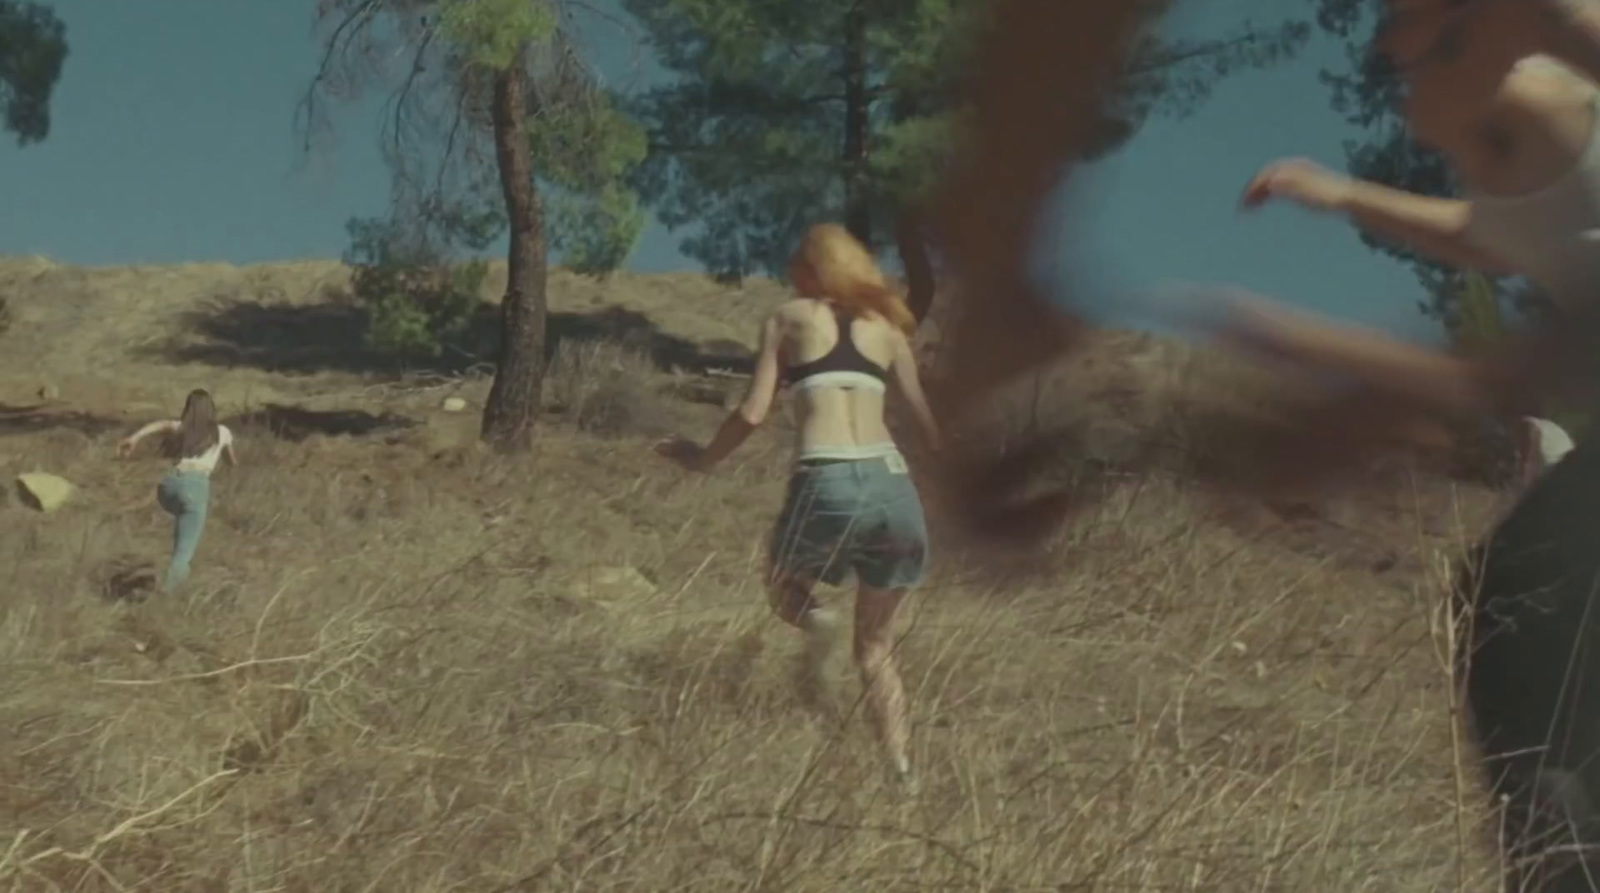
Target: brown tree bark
911 239
1037 88
515 398
1042 71
857 211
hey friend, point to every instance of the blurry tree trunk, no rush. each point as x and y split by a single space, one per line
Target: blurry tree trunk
857 127
514 400
911 239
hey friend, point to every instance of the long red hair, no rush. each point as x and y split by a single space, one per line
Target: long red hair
841 270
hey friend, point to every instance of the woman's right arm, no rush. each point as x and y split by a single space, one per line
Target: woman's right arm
1436 227
132 441
1433 226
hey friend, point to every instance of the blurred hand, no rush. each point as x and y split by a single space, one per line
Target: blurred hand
685 453
125 448
1242 321
1300 180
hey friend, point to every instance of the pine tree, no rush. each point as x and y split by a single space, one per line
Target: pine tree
786 112
496 111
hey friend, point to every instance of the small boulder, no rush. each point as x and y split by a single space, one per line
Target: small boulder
49 392
43 492
608 585
454 404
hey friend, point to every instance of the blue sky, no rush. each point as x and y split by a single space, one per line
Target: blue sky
172 141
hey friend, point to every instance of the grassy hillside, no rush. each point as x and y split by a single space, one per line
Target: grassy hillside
406 665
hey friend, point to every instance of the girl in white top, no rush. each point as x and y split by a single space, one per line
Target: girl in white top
185 490
1506 91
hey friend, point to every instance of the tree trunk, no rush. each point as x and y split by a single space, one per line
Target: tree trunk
514 400
857 213
911 240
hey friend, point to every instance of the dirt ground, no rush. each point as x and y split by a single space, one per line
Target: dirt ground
406 664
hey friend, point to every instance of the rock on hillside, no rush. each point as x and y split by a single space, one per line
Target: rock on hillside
43 492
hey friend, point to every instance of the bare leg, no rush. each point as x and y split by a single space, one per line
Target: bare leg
793 602
791 598
874 653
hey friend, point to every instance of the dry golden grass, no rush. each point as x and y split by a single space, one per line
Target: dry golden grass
406 665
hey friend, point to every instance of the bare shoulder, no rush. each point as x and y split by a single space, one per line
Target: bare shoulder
795 309
879 326
793 315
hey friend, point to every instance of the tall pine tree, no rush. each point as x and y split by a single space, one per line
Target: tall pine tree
494 110
788 111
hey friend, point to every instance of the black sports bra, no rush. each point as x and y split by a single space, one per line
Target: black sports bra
842 357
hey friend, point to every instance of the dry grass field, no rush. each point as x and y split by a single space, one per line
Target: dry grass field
403 664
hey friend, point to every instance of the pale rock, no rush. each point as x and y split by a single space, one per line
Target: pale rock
604 585
454 404
43 492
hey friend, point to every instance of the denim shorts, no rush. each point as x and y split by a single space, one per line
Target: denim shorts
860 515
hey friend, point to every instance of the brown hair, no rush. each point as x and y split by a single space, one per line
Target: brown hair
197 430
843 271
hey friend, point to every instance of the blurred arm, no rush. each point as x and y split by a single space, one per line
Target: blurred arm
1424 376
1434 226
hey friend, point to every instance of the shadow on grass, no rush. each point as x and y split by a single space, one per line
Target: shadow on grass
295 424
15 420
284 337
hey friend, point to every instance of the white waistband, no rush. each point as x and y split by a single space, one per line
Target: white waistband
848 451
843 379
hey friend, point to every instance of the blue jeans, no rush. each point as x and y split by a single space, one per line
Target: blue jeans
185 495
860 515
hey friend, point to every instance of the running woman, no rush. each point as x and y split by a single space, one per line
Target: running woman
851 504
185 490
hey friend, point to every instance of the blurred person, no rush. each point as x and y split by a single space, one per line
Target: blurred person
185 490
851 504
1506 91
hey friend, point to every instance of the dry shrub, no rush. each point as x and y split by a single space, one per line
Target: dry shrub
605 388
